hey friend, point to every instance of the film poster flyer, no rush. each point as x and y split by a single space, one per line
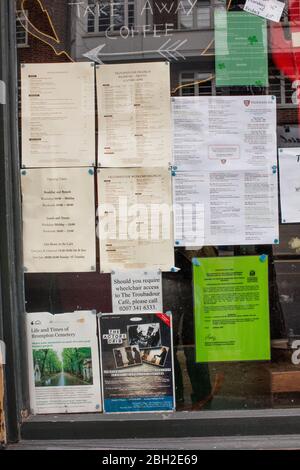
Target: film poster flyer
137 362
63 359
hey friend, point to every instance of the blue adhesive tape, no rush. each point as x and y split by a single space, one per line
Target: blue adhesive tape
196 262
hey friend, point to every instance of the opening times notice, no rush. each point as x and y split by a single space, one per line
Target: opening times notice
58 220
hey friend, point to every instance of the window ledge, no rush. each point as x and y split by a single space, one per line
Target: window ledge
162 425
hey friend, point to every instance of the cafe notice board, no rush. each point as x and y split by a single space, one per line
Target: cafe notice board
231 308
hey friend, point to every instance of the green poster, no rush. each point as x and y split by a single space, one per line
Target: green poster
241 54
231 308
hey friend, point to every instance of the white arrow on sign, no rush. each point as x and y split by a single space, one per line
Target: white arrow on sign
167 51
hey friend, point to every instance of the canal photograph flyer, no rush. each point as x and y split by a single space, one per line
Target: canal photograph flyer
231 309
137 362
63 362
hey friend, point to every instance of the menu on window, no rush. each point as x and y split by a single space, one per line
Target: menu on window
58 114
135 219
225 185
134 115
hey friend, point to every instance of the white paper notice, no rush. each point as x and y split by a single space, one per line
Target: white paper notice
234 208
269 9
225 188
59 220
134 115
289 172
135 219
63 363
58 114
224 133
189 192
136 291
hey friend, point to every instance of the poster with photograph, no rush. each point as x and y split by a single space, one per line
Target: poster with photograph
231 308
63 362
136 291
137 362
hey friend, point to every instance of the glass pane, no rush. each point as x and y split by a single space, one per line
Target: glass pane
104 16
130 14
217 54
203 16
188 90
186 20
118 19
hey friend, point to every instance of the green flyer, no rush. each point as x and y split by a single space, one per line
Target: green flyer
231 308
241 55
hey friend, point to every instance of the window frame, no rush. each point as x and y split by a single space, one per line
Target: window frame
284 82
12 309
193 81
196 26
85 426
21 18
112 3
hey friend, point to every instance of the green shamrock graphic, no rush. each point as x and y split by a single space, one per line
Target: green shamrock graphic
252 40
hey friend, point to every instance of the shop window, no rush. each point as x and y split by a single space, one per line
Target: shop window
199 385
281 87
196 84
199 17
